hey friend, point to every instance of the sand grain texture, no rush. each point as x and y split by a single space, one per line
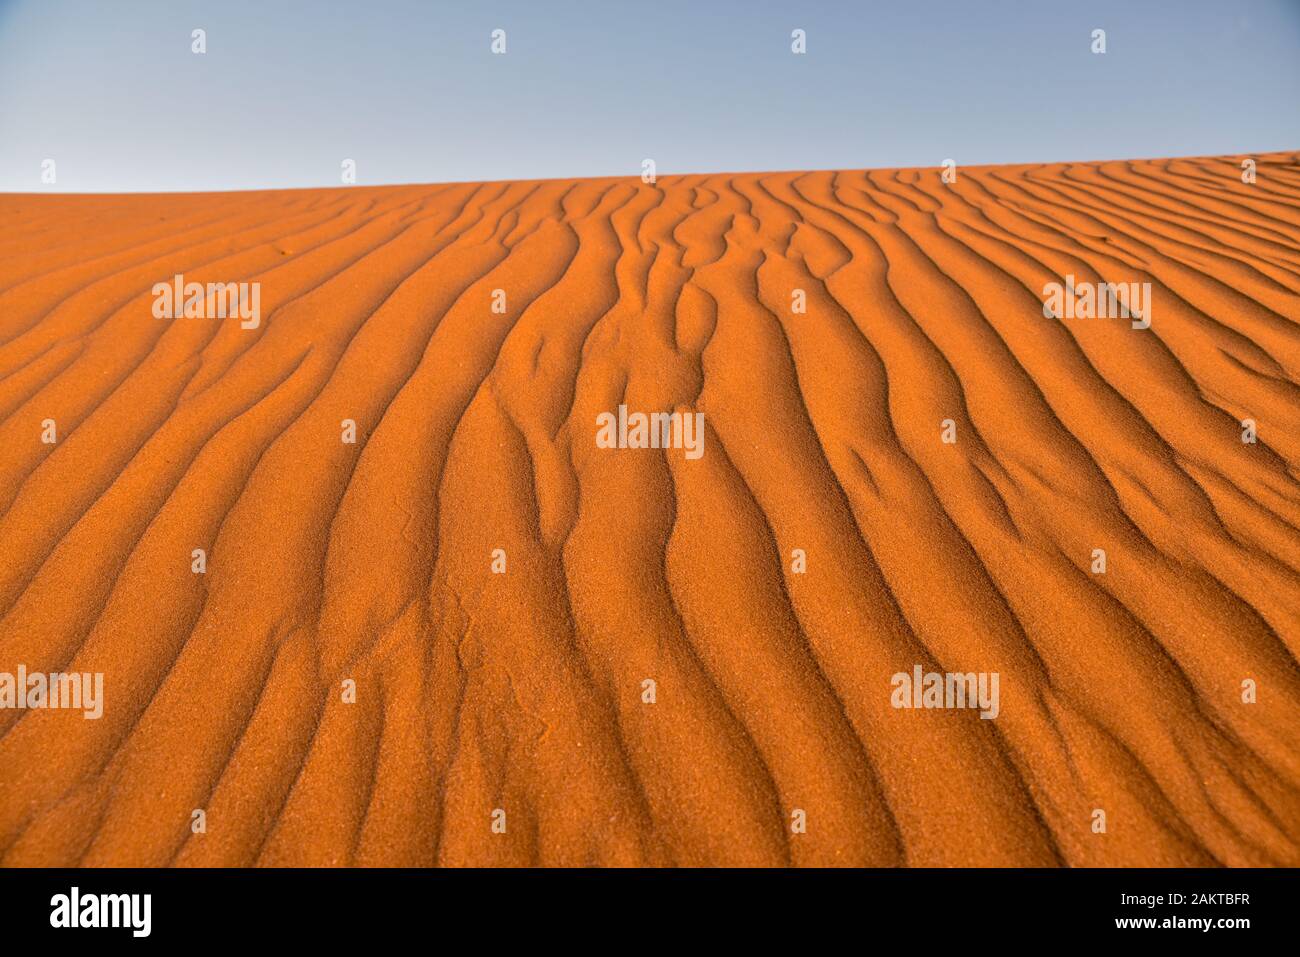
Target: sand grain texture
476 431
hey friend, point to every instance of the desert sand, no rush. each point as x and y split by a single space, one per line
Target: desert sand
438 644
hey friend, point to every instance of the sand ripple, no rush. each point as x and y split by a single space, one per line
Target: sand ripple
372 562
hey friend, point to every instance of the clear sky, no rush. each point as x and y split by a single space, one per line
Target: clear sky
412 92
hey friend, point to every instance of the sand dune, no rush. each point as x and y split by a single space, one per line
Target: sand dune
825 540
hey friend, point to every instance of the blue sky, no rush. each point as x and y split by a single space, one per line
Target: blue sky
412 92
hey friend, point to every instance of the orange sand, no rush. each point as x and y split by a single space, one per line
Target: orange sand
475 431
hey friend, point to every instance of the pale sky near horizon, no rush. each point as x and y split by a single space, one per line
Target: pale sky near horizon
412 92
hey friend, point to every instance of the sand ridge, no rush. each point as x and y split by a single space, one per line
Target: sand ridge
498 588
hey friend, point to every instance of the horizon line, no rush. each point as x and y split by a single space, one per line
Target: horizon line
47 190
